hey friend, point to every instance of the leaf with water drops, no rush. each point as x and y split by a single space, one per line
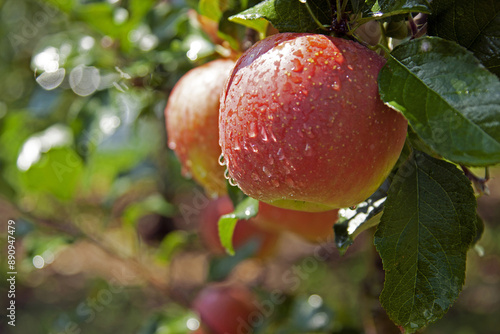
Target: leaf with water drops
247 209
451 101
428 224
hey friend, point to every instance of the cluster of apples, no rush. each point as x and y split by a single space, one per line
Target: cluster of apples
297 123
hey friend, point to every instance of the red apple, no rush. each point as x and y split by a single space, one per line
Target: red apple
226 309
302 125
315 227
245 230
191 115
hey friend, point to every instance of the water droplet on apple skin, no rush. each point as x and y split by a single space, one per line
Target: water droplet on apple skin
266 171
222 161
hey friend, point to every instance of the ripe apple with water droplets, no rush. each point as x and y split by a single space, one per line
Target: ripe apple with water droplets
302 126
192 115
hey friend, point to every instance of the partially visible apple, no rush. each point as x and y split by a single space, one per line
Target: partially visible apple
245 230
226 309
191 115
302 125
316 227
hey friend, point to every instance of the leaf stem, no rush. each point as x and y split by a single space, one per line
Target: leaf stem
339 10
478 182
313 16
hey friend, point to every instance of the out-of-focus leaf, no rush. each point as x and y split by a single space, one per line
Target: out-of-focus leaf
170 244
451 101
5 188
221 267
65 6
58 172
212 9
473 24
152 204
308 315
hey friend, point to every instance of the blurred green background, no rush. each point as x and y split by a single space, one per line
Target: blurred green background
105 233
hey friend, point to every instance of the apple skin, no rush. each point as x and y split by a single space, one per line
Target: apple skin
244 231
302 126
315 227
225 309
191 116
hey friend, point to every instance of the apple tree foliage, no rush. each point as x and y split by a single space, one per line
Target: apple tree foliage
442 75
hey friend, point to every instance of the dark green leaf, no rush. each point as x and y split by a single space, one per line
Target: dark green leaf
472 24
245 210
289 16
384 8
428 224
419 144
357 6
451 101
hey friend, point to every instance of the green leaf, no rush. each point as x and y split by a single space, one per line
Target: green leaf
428 224
227 223
259 25
472 24
288 16
384 8
451 101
